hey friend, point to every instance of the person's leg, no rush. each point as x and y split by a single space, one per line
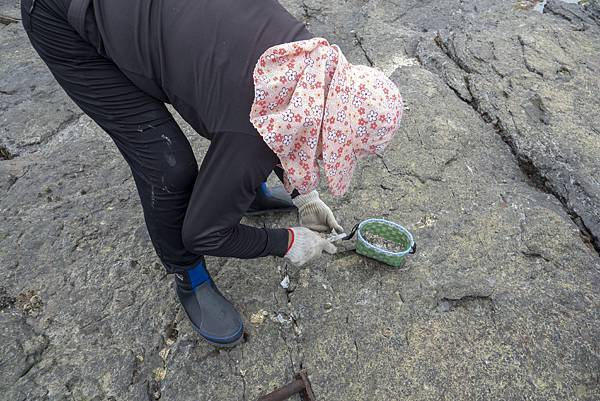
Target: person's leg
161 160
233 168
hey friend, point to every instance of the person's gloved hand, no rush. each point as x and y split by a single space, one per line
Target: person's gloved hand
307 245
315 214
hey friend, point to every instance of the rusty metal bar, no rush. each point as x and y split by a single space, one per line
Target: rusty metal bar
300 385
284 392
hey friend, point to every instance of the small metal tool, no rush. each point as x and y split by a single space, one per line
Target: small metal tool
336 237
301 385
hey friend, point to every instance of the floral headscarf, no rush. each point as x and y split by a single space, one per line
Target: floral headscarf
309 99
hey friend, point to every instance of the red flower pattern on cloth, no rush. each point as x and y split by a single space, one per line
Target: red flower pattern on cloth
306 95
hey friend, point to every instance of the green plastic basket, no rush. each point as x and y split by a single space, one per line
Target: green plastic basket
390 231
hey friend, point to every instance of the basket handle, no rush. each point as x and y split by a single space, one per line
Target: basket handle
413 248
352 232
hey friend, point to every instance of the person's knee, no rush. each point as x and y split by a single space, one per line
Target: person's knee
178 173
200 238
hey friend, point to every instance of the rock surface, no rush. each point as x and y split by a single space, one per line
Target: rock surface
495 171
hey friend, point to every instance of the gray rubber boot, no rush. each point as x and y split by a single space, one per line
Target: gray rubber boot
271 200
213 317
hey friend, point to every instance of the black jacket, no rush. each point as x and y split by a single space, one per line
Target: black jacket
197 55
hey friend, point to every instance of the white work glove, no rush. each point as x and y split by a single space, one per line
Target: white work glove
315 214
306 246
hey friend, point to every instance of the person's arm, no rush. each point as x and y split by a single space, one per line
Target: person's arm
234 166
314 213
222 193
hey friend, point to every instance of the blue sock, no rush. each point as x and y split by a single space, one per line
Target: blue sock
265 190
198 274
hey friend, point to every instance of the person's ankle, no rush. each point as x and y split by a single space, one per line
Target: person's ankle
265 189
193 276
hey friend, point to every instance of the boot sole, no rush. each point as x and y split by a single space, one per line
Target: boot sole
216 344
220 345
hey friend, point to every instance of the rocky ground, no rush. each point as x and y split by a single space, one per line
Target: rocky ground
495 170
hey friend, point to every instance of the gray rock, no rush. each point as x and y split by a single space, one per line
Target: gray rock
582 16
494 171
34 107
538 88
21 349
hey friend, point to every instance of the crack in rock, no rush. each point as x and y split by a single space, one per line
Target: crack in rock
73 118
45 139
5 154
535 255
237 371
529 67
36 357
164 350
421 178
309 12
536 178
358 41
296 328
6 20
449 303
580 16
451 53
468 302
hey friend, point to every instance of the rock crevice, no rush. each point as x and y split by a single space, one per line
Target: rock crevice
580 201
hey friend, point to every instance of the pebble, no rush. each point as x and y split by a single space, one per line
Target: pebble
285 283
159 374
258 318
30 302
164 354
281 319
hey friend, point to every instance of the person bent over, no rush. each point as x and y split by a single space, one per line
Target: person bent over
250 78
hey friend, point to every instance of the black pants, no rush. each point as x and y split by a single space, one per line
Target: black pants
189 213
